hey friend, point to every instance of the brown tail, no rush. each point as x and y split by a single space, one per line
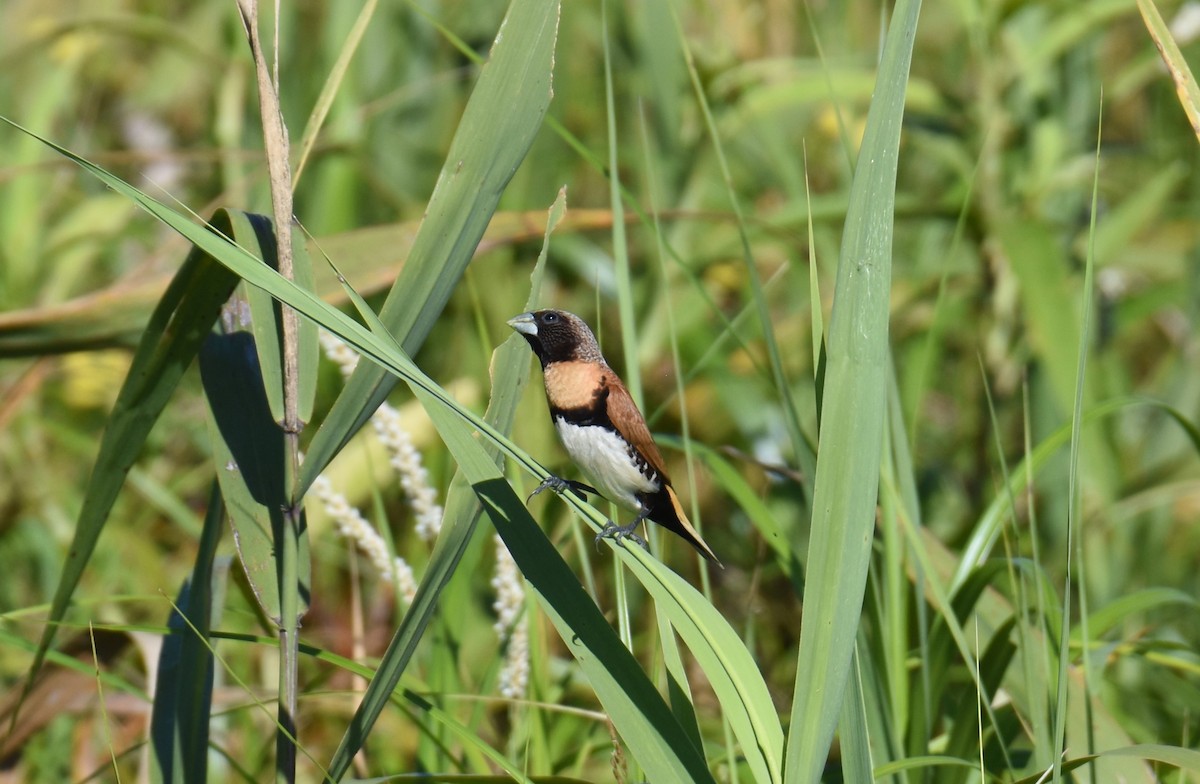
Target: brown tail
668 512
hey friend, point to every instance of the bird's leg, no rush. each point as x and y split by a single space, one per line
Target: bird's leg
619 532
560 486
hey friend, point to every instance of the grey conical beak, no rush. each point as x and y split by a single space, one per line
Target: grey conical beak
524 323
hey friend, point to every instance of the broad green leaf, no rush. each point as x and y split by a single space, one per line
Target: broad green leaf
249 454
851 435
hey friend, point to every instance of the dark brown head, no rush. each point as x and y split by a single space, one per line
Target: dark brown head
557 336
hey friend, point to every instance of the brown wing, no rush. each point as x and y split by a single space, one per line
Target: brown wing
629 422
665 507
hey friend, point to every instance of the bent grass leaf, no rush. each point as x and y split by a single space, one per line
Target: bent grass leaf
728 665
257 233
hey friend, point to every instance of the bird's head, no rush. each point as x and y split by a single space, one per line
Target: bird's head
557 336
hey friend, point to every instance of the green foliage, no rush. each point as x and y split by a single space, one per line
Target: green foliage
919 344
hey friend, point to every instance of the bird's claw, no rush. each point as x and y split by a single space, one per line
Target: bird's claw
620 532
560 486
555 483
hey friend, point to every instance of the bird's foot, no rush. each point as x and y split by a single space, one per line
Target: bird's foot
560 486
619 532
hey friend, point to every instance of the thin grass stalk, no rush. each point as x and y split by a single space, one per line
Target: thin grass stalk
101 702
1042 730
633 372
275 137
893 602
1074 497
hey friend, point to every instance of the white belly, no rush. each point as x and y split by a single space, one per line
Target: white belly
604 458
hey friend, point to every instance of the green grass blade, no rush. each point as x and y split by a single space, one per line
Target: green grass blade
329 90
498 126
1108 617
1075 497
848 464
856 743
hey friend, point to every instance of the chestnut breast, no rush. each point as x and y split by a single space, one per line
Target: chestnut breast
573 385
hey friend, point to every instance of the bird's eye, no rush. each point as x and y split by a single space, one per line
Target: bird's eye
550 318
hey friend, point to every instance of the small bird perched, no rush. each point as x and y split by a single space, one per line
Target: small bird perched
601 427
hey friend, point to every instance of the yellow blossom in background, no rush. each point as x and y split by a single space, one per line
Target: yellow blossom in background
91 378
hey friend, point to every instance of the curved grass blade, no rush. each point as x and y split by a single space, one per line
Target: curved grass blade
1182 758
655 738
851 441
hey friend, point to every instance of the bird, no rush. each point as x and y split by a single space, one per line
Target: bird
602 429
